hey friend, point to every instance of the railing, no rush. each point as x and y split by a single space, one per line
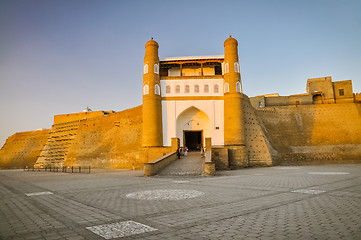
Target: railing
64 169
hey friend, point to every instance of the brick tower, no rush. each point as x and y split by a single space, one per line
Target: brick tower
152 106
234 136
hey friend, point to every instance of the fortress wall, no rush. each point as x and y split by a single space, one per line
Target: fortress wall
64 118
313 134
60 138
111 141
23 149
256 142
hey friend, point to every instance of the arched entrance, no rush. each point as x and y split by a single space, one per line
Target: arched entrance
193 126
317 98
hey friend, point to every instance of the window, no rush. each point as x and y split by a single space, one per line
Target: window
226 68
167 89
216 88
156 89
236 67
238 86
187 89
177 89
145 69
218 70
206 88
145 89
341 92
156 68
226 87
260 104
196 88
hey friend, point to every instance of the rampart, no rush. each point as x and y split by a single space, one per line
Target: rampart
257 145
23 149
275 135
105 141
313 134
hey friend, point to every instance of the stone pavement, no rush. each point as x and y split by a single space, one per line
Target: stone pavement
306 202
193 164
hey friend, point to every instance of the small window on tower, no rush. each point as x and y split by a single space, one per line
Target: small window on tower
226 87
187 89
216 88
156 89
236 67
156 68
145 70
206 88
341 92
145 89
196 88
177 89
238 86
167 89
226 68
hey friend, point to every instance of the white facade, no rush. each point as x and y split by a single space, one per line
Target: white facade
183 112
202 115
215 87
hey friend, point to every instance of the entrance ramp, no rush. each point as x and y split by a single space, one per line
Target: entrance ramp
193 164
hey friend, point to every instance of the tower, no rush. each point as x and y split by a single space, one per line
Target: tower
234 136
152 106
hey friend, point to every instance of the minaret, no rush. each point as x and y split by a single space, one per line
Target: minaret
152 105
234 136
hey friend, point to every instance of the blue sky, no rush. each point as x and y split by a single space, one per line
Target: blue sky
58 56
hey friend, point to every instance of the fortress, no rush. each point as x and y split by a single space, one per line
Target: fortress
188 101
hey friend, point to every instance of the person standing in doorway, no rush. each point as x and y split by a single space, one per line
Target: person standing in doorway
185 151
178 153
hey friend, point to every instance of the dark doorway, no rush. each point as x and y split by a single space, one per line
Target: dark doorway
193 140
317 99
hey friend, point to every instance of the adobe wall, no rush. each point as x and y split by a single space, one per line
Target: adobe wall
257 145
313 134
109 141
23 149
259 149
60 138
300 99
70 117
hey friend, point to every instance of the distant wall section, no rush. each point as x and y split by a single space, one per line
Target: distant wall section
23 149
313 134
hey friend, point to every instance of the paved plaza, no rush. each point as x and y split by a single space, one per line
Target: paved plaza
305 202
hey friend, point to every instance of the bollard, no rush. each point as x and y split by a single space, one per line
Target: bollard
209 168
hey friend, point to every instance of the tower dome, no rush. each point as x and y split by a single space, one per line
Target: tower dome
230 40
151 42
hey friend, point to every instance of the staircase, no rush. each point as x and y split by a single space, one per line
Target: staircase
193 164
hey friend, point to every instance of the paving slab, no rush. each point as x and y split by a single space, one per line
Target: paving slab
303 202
